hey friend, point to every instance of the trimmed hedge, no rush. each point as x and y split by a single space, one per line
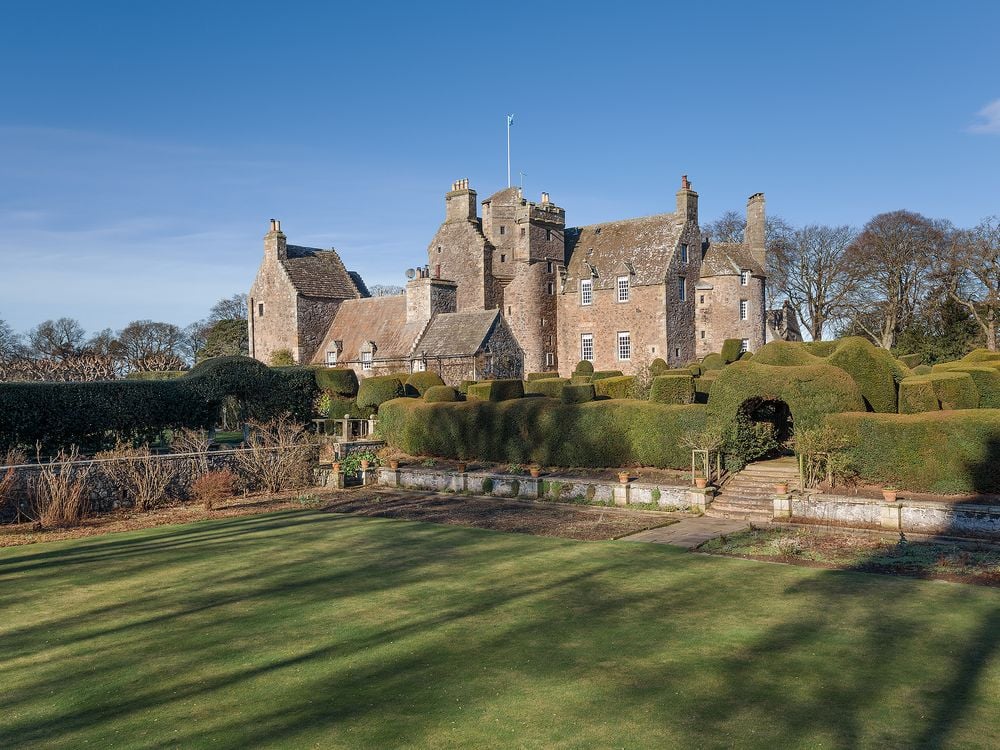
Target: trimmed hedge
981 355
540 376
583 367
672 389
463 387
376 390
544 431
602 374
577 394
419 382
787 354
621 386
341 405
946 451
712 362
580 379
342 381
695 369
94 415
497 390
874 370
820 348
157 375
658 367
811 391
730 350
986 378
911 360
922 369
440 393
939 390
551 387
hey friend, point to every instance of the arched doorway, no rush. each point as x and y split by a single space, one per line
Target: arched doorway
763 429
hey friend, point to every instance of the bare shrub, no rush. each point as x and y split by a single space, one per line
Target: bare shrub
787 546
277 455
137 474
195 442
213 487
8 475
60 496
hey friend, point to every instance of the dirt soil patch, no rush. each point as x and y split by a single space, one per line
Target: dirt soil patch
964 562
537 518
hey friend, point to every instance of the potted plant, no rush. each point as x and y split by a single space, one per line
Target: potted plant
461 467
623 477
336 467
700 482
889 493
394 463
535 471
781 488
364 464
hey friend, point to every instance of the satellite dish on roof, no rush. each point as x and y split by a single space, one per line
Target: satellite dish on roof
410 273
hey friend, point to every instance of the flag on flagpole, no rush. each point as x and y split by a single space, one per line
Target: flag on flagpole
510 120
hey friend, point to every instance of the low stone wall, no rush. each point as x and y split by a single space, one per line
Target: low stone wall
917 517
565 489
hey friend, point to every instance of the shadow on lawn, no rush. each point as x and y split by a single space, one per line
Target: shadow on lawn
377 632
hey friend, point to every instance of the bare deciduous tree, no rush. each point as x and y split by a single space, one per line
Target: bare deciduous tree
385 290
148 345
811 270
970 269
57 339
892 258
230 308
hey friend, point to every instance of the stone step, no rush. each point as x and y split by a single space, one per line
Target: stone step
744 502
738 512
769 474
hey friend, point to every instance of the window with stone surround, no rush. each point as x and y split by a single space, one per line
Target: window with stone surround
586 291
624 345
744 277
622 287
550 359
682 294
552 288
744 309
548 234
260 309
548 266
684 252
503 229
331 357
418 365
587 347
744 346
366 361
702 334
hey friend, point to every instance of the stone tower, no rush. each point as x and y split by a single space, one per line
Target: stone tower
755 234
529 254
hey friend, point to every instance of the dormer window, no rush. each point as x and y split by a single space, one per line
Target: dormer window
586 291
622 287
744 277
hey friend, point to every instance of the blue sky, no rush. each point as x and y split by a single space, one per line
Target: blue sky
144 146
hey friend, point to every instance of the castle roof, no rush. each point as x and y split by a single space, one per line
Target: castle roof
459 333
729 259
646 244
320 273
378 319
509 195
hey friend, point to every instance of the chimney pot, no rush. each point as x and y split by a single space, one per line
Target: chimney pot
545 197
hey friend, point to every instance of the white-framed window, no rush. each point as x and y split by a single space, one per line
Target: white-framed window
682 294
550 359
744 309
418 365
622 287
331 357
684 252
744 277
586 291
366 361
744 346
624 345
587 346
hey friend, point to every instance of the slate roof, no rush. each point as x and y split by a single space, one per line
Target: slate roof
646 243
319 273
728 259
378 319
456 333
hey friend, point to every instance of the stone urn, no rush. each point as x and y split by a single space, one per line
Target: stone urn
623 477
700 482
535 471
889 494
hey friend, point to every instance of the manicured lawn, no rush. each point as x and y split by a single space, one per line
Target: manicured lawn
304 629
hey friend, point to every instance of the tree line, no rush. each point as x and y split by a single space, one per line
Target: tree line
62 350
905 281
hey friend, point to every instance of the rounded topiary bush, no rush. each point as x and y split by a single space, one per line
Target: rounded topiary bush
577 394
583 367
731 350
441 393
419 382
376 390
936 391
672 389
658 366
785 354
986 378
341 381
712 362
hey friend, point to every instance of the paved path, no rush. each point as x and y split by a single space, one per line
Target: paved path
689 532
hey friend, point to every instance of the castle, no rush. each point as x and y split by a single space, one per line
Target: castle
515 291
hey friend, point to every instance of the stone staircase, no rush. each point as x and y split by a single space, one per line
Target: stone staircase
747 494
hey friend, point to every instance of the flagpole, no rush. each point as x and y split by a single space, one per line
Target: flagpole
510 119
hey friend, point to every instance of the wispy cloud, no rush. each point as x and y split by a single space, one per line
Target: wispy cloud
989 119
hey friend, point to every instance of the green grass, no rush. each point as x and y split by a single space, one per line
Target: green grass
306 629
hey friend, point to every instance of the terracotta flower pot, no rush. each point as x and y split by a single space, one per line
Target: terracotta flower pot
623 477
700 482
535 472
889 495
461 467
336 467
781 488
393 464
364 464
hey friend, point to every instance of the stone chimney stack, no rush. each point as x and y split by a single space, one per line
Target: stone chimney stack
754 236
275 243
426 296
460 202
687 202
